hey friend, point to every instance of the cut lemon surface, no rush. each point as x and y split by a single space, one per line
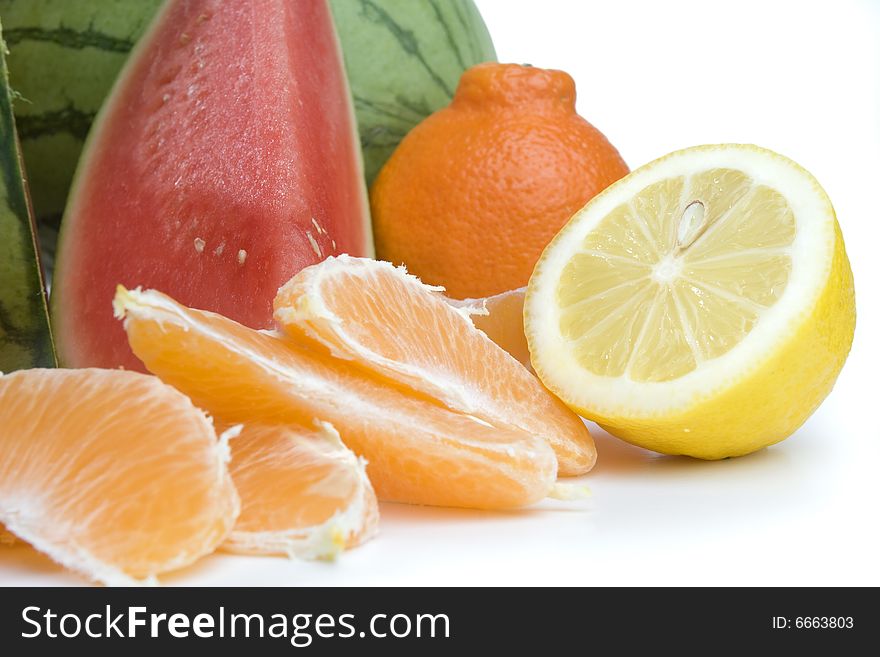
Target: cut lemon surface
387 323
703 305
303 493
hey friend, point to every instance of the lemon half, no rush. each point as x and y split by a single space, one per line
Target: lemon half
703 305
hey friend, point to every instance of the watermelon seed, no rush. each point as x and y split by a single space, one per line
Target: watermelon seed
315 247
242 256
199 243
219 249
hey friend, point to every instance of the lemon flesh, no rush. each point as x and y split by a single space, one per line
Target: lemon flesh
703 305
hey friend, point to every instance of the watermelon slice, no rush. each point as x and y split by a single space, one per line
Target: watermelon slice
25 340
224 161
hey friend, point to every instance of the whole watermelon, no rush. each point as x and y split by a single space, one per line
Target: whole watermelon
403 59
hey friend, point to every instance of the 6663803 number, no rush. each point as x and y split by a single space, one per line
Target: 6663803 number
813 622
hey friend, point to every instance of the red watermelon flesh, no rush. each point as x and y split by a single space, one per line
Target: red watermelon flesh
225 160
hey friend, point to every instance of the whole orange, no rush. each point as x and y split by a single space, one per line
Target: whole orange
474 193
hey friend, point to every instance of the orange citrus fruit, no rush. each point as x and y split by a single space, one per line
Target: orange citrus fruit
387 322
417 450
500 317
111 473
303 493
473 194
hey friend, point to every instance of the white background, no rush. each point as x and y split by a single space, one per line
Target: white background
801 78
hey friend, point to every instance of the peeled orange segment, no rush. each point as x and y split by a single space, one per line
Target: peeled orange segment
417 451
501 318
111 473
387 322
703 305
303 493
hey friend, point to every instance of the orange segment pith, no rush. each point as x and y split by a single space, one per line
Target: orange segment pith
417 450
388 322
302 492
111 473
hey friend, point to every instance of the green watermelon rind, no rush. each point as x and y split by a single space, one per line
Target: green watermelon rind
65 55
25 336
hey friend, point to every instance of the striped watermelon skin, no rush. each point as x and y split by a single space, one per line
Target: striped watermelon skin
25 339
403 59
63 58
